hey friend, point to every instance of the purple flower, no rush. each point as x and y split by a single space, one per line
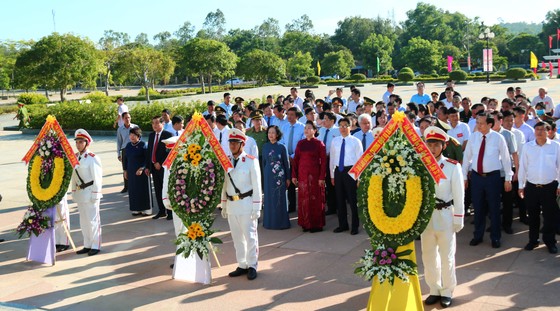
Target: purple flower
390 250
393 256
212 175
382 262
388 261
383 254
376 252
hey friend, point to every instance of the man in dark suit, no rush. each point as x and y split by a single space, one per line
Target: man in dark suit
156 156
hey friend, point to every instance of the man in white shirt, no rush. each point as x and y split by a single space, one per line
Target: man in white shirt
345 152
250 143
298 101
519 123
487 153
227 105
209 108
327 133
475 109
364 135
339 94
355 101
459 130
448 100
279 116
222 133
539 169
120 110
178 123
167 125
543 98
390 90
123 139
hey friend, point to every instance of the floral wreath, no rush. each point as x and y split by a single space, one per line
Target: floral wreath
195 184
395 199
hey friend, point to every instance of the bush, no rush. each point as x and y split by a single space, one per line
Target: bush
32 99
98 97
458 75
515 73
12 108
357 77
406 74
407 69
443 71
313 80
434 75
283 81
143 92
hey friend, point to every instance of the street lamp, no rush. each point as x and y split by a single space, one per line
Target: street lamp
487 34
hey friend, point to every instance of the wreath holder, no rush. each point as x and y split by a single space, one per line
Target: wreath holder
391 265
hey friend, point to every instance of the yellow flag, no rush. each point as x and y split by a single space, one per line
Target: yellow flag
318 68
534 60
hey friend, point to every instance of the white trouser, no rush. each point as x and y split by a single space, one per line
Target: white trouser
59 232
245 240
90 223
438 256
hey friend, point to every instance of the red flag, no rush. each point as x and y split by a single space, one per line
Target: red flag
550 67
550 42
543 65
557 34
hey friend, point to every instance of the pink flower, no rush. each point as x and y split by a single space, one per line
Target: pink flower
393 256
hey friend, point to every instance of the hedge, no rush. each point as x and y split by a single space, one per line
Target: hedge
32 99
458 75
515 73
313 80
357 77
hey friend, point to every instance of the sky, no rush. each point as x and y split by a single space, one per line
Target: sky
33 19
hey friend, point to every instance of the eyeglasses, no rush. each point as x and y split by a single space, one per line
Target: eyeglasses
344 126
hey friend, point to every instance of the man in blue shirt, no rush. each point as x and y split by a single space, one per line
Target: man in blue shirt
292 133
420 97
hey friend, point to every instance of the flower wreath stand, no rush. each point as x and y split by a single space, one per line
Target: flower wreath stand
51 161
396 195
196 165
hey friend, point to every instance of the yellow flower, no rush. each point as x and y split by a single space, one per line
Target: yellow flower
185 157
45 194
389 170
194 163
197 157
385 158
400 158
398 116
409 213
200 234
30 221
391 161
192 235
397 169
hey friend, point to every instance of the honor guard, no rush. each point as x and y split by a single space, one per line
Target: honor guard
86 192
438 239
241 205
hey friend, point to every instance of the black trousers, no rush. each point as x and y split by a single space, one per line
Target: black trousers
346 187
507 207
486 191
157 177
542 198
330 192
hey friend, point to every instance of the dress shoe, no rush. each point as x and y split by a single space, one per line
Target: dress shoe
169 216
531 246
330 213
92 252
83 251
61 248
496 244
238 272
354 231
158 216
2 240
339 229
251 274
552 249
136 213
475 242
432 299
313 230
171 266
445 301
124 190
146 214
508 230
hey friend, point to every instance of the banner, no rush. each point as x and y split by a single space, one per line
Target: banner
318 68
487 60
52 124
377 64
550 42
449 63
399 121
535 61
469 63
198 122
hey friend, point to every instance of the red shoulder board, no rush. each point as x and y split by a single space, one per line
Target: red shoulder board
91 154
452 161
250 157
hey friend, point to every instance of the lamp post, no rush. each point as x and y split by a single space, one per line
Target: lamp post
487 34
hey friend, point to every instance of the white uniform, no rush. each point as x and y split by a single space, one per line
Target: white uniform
438 240
88 199
243 214
60 234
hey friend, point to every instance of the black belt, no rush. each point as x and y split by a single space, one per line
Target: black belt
540 185
486 174
441 205
83 186
240 196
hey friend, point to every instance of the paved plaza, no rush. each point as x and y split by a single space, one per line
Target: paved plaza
297 271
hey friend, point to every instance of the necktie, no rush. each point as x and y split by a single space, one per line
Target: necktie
268 121
479 168
364 142
156 141
235 162
220 137
326 137
290 139
176 133
341 158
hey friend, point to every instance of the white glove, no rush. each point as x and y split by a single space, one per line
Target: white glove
457 227
255 214
224 213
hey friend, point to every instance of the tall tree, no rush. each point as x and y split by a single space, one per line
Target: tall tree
299 65
184 33
268 35
142 39
109 49
377 45
261 66
208 59
59 62
339 63
426 21
521 45
214 25
352 31
242 41
422 55
302 24
294 41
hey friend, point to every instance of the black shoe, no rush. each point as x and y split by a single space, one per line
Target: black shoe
313 230
475 242
496 244
508 230
531 246
124 190
489 229
432 299
330 212
445 301
354 231
524 220
61 248
2 240
136 213
305 230
158 216
92 252
169 216
83 251
171 266
238 272
339 229
552 249
251 274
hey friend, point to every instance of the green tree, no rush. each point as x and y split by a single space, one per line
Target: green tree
422 55
110 45
297 41
299 65
208 59
59 62
267 35
261 66
377 45
302 24
426 21
184 33
521 45
352 31
549 27
142 39
214 26
242 41
340 62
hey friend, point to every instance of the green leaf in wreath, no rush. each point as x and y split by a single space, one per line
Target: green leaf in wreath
216 240
404 253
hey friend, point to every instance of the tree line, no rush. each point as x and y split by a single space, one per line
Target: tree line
264 53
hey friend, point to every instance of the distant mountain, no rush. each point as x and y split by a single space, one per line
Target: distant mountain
516 28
